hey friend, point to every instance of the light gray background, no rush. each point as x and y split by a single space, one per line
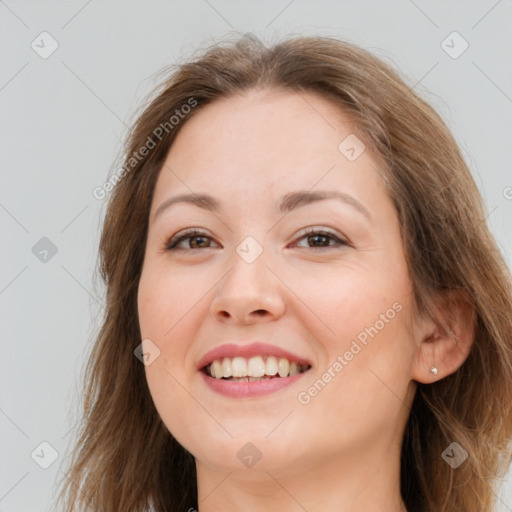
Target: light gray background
62 121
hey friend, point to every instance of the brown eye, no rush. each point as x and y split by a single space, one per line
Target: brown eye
321 240
196 240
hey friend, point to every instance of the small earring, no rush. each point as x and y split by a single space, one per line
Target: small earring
433 370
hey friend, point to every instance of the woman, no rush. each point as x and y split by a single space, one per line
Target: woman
305 307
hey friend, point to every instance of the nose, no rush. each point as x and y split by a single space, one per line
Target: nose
249 293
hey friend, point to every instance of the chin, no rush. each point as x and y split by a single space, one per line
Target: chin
242 451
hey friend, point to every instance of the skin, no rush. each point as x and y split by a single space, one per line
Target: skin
341 450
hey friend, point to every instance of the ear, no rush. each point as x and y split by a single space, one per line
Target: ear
444 342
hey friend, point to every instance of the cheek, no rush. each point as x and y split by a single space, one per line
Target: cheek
360 320
170 310
350 302
168 397
163 320
164 299
361 391
167 376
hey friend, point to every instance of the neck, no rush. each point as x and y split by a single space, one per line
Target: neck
366 481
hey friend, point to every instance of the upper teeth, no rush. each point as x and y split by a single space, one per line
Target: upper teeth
253 367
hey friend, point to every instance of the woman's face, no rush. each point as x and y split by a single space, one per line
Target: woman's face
282 271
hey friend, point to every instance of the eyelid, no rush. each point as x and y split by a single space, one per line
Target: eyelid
309 231
313 230
183 235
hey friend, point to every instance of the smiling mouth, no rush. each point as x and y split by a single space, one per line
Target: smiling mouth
258 368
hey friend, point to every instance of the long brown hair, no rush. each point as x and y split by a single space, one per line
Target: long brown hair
126 460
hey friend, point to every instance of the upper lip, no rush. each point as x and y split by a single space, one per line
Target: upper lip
249 350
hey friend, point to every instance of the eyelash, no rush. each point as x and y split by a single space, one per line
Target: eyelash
192 233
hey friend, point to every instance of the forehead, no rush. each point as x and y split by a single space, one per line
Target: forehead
265 124
264 143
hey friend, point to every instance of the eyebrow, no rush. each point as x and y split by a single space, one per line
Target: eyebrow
289 201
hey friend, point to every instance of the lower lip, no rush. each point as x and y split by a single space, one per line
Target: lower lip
236 389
